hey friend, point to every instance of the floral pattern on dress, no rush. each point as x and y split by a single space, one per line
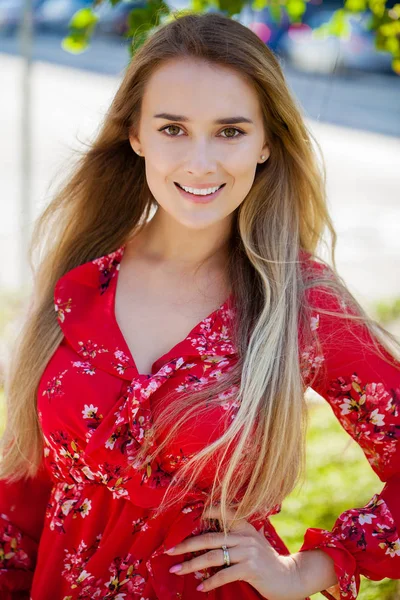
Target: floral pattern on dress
85 368
95 506
12 554
365 411
123 579
108 268
54 386
67 500
62 308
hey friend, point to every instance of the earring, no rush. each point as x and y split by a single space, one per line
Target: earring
262 157
138 152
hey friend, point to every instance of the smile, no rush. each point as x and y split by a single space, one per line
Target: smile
199 196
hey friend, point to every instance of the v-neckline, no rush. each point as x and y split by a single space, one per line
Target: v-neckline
172 351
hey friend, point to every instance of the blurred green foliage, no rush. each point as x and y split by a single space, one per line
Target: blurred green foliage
11 308
384 21
388 311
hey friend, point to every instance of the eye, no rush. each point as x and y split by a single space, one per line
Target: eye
236 129
239 131
168 127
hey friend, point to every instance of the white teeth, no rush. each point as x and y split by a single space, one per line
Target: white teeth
200 192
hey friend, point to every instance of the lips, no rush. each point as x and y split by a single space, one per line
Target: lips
199 198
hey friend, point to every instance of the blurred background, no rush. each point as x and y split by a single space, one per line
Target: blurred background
61 62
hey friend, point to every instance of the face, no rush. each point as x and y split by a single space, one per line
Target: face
182 142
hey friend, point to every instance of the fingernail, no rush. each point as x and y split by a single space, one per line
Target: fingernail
175 568
170 550
200 587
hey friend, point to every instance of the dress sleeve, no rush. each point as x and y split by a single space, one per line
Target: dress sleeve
22 510
363 390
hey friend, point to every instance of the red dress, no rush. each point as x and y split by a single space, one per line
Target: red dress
83 530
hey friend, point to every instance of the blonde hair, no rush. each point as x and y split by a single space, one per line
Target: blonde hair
259 459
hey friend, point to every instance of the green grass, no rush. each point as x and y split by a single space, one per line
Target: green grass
335 463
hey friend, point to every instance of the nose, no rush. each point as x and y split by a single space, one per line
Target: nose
201 159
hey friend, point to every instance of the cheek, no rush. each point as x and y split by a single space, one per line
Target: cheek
240 162
242 174
158 166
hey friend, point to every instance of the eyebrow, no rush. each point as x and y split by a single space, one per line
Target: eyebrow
223 121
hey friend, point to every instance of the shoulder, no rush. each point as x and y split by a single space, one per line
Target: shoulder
319 279
314 268
82 286
92 273
324 292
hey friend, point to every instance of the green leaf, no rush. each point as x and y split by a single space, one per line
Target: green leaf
355 5
377 7
389 29
231 7
295 9
146 18
259 4
337 26
138 17
199 5
84 18
75 44
81 28
392 45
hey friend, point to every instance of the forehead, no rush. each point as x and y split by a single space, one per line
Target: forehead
198 89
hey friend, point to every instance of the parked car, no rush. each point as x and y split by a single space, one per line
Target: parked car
306 52
269 30
55 15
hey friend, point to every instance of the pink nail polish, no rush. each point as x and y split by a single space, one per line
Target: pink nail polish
200 587
175 568
170 550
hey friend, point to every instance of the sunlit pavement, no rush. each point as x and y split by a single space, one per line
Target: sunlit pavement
363 172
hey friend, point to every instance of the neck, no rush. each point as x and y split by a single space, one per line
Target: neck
165 241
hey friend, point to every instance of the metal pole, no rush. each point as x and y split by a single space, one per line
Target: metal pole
26 43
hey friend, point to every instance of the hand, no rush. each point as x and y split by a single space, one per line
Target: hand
252 558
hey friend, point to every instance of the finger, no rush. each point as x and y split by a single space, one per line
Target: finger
214 558
222 577
206 541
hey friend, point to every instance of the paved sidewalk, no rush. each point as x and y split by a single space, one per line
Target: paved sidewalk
362 170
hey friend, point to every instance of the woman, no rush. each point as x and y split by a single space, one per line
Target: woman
198 208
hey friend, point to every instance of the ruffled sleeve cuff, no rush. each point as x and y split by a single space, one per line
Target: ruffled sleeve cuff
345 564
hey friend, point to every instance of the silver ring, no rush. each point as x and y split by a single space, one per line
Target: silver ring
227 560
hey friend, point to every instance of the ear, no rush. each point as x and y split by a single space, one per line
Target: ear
266 152
134 141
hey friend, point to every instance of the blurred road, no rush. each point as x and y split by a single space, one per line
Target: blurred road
68 104
366 101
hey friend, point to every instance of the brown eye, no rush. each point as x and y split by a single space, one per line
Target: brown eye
234 130
170 127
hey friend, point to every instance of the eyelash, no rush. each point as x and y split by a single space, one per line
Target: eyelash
227 138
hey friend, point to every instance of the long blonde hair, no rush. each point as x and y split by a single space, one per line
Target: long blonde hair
260 457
